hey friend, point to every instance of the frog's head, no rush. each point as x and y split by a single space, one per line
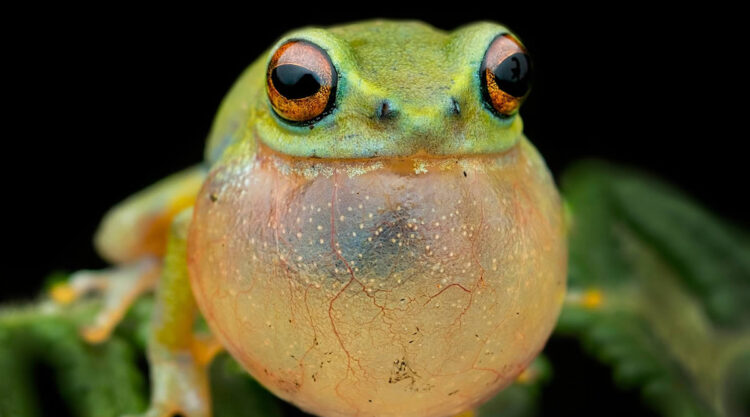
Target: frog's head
381 89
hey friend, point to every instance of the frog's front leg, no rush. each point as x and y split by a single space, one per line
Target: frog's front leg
177 356
120 287
132 236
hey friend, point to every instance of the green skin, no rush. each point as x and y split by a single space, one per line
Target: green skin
435 93
421 90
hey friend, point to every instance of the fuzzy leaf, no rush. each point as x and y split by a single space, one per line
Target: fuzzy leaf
99 380
522 399
659 289
93 380
235 394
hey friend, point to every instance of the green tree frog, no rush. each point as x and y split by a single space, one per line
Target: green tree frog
370 233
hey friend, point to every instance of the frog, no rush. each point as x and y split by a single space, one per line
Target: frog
370 231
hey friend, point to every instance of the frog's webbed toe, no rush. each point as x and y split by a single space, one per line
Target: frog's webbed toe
118 288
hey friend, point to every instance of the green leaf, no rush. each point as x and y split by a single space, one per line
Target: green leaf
659 288
100 380
235 394
94 380
522 399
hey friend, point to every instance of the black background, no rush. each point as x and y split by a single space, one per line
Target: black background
103 103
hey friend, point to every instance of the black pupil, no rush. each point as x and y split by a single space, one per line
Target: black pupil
513 75
295 82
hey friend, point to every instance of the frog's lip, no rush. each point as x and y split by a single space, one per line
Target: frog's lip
420 155
419 163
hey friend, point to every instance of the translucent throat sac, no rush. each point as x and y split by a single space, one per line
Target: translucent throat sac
412 286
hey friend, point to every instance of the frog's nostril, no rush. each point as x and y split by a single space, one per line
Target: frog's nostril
453 107
385 110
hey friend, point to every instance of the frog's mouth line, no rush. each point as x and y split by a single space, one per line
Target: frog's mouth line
415 163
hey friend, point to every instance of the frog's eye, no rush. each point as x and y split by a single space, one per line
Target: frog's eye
301 82
505 74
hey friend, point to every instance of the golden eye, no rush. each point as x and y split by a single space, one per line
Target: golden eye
505 74
301 82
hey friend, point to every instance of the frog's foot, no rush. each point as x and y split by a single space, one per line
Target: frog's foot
119 287
180 379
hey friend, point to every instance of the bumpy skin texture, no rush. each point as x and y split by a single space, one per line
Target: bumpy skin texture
408 265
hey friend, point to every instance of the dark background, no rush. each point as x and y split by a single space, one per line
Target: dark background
105 103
